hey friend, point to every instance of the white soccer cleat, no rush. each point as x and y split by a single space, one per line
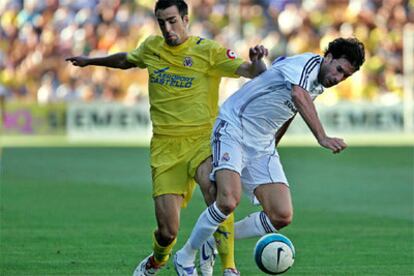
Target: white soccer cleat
184 271
147 267
208 253
231 272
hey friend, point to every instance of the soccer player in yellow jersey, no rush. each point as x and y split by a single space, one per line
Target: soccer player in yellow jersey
184 77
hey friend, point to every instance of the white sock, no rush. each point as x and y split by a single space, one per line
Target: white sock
254 225
206 225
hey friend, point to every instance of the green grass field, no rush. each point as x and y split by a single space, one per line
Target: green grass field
88 211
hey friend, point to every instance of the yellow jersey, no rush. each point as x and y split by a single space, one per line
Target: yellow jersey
184 82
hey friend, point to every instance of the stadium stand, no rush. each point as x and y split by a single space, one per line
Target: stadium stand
36 36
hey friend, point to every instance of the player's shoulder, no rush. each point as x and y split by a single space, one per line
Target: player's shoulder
205 44
153 40
304 57
296 61
150 42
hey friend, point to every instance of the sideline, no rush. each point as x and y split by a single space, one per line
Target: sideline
288 141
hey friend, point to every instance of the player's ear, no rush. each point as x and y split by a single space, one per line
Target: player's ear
186 19
328 58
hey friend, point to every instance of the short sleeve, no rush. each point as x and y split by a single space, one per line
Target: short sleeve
137 56
298 70
224 62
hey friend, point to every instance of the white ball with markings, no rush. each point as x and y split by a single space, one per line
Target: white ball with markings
274 253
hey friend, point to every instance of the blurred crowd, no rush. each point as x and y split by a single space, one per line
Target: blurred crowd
37 35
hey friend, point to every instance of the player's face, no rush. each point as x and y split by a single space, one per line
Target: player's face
172 25
333 71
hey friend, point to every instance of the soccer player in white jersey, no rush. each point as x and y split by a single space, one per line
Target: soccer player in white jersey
246 133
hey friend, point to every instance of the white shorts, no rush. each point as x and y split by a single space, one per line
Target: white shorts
229 152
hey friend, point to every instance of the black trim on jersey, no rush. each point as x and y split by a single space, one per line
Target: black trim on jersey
309 66
199 41
310 71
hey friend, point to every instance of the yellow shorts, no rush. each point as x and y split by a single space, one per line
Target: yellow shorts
174 161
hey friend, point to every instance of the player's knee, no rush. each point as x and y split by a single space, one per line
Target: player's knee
281 219
228 205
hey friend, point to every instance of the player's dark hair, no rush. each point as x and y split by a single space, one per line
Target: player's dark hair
180 4
349 48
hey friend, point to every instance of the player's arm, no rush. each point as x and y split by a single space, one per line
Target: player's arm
256 66
307 110
282 130
118 60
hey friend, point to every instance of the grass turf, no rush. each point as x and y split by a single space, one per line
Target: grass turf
88 211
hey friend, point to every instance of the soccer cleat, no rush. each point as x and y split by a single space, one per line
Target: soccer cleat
147 267
208 253
184 271
231 272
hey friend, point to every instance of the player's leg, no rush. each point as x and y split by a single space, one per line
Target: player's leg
167 212
228 197
172 189
224 236
277 212
276 201
274 196
227 163
208 188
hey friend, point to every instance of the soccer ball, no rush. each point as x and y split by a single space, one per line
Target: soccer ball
274 253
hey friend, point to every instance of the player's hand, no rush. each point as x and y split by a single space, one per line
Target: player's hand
336 145
78 61
257 53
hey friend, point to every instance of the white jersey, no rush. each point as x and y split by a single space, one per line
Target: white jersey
264 104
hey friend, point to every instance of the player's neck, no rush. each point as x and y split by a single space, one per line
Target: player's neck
181 45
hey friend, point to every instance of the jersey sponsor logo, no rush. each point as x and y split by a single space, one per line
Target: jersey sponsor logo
161 77
188 61
291 106
225 157
231 54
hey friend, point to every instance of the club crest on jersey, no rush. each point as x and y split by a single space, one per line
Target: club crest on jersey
231 54
188 61
225 157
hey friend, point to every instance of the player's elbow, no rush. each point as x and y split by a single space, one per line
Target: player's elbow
121 61
296 96
124 64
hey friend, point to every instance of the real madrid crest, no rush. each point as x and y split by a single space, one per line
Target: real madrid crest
188 61
225 157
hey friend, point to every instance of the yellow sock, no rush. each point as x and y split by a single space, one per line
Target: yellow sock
225 242
162 253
